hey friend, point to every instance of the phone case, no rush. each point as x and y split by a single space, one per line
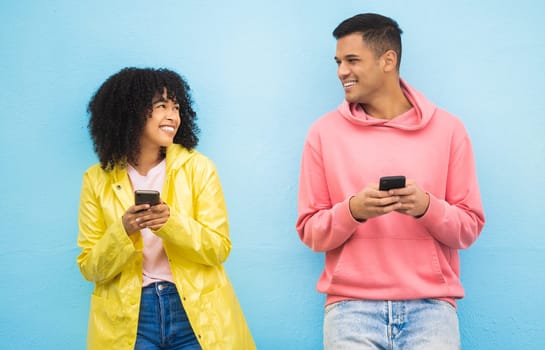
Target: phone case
147 197
390 182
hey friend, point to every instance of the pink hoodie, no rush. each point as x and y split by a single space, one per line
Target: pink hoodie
394 256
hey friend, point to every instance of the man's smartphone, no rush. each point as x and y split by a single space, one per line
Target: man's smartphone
390 182
147 197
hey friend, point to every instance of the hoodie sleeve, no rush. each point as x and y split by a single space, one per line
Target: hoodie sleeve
457 220
321 225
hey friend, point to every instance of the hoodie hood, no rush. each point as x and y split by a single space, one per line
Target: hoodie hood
416 118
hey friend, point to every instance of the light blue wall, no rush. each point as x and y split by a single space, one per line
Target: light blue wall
262 72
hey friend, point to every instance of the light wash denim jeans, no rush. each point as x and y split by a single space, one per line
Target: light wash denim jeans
163 323
427 324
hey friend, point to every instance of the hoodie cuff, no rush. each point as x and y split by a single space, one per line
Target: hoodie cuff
345 216
434 214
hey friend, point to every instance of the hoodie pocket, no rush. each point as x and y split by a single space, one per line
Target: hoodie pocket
387 267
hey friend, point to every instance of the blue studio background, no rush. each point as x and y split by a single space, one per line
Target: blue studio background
261 73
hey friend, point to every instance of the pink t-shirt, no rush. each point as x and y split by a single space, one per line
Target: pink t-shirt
156 267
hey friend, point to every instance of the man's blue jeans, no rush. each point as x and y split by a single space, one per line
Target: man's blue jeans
427 324
163 323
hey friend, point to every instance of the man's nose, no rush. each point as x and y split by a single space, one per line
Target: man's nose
342 70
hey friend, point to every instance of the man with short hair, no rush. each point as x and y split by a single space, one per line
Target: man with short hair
392 270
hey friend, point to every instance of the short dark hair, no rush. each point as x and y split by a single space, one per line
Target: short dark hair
379 32
119 110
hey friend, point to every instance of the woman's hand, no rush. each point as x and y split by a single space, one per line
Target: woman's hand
142 216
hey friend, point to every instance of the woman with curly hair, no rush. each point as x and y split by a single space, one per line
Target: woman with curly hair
157 269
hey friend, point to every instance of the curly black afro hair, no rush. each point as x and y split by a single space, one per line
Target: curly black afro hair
120 107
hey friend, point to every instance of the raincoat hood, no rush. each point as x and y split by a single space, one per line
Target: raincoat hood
423 108
176 157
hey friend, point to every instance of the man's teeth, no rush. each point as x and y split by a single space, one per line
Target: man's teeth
349 83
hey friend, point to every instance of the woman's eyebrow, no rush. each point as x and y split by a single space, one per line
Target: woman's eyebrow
160 99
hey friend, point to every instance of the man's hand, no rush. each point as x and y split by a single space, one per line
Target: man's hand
370 202
414 201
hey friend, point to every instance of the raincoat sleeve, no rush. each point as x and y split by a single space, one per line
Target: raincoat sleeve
198 232
106 249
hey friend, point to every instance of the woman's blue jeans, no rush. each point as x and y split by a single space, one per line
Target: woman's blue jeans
427 324
163 323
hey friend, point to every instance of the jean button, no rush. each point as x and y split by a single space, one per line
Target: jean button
161 287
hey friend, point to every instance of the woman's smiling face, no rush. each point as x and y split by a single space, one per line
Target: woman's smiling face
162 123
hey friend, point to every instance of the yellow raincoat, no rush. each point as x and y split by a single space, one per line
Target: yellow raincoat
196 241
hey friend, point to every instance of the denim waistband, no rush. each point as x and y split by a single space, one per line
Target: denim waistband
160 288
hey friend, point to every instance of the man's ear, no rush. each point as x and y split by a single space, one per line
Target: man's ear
389 59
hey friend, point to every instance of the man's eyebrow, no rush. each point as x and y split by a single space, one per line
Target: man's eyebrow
337 59
350 55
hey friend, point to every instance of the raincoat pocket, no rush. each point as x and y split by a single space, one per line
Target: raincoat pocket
222 325
107 329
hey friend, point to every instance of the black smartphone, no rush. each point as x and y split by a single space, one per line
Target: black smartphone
147 197
390 182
